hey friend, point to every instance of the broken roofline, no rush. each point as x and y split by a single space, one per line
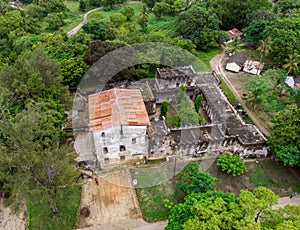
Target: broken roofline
117 107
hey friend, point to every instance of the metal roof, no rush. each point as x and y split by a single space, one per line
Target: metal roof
117 107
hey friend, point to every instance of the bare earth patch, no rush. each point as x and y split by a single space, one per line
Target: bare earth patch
113 200
9 221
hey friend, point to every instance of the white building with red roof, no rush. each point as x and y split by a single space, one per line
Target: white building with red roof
118 120
233 34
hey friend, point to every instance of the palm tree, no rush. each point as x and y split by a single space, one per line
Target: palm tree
264 48
291 63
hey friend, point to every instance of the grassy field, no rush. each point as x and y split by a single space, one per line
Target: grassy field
205 57
282 180
272 174
40 215
154 185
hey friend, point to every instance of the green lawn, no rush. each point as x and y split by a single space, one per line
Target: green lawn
268 173
164 25
40 215
206 56
154 185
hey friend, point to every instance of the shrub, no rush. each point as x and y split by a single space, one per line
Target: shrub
232 164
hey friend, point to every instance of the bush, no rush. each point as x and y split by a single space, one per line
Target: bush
232 164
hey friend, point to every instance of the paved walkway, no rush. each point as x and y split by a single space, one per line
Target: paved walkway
84 21
216 65
287 200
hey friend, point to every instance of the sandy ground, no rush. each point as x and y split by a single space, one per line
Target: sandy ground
111 201
9 221
137 224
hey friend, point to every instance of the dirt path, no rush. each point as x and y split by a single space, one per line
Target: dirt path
138 224
287 200
216 64
9 221
84 21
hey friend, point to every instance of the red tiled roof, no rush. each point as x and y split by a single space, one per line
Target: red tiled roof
117 107
234 33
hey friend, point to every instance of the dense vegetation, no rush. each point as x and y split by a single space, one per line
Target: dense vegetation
39 62
206 208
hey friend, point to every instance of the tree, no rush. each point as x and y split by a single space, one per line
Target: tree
254 31
284 35
258 90
97 29
160 8
288 7
55 21
284 141
232 164
234 13
99 49
277 77
200 25
82 5
234 47
164 108
191 180
34 163
127 11
264 48
117 19
210 210
282 218
261 14
72 70
52 6
198 102
257 202
144 18
186 113
291 63
33 76
149 3
14 23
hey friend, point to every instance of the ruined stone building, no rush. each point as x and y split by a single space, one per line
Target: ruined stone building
118 124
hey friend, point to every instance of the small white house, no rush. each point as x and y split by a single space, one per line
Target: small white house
233 34
236 62
118 120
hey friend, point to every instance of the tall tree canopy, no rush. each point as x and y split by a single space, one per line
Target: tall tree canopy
33 76
200 25
220 210
34 164
284 35
284 138
234 13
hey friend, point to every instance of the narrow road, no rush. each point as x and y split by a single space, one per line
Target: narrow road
216 65
84 21
283 201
